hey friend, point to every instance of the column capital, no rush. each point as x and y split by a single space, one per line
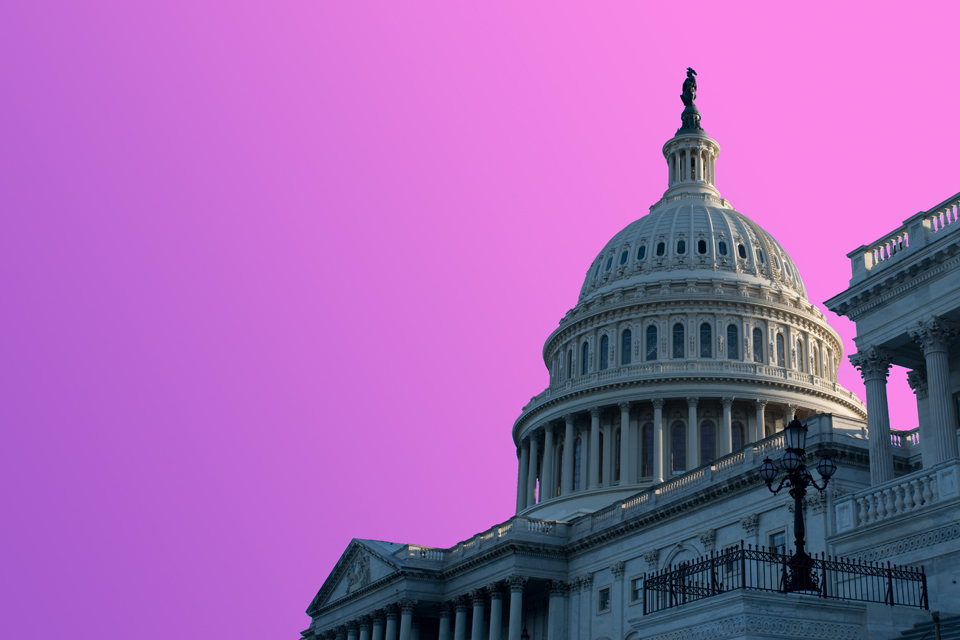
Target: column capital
873 363
378 617
574 586
407 605
586 581
934 334
594 412
760 403
445 609
692 401
917 379
793 407
352 626
657 403
495 590
727 402
625 406
557 588
477 597
365 622
340 632
393 611
516 583
618 568
568 418
460 604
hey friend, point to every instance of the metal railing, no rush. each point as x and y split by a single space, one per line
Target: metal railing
762 569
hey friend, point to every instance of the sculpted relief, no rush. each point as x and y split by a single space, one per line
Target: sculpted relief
358 576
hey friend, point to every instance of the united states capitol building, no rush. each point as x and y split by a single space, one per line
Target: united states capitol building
640 512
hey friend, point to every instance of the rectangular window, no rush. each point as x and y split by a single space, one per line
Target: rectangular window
636 590
603 600
778 542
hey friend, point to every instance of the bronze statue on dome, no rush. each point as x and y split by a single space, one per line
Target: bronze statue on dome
689 88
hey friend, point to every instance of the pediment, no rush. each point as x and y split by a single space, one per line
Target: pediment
360 566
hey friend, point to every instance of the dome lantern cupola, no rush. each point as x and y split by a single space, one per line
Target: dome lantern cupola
691 154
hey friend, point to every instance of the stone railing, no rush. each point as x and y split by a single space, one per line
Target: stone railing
899 498
915 233
518 525
905 439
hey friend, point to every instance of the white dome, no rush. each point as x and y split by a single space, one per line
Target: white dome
691 236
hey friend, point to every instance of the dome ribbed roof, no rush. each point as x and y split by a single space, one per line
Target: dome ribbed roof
691 236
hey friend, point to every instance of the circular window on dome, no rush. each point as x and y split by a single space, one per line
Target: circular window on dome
759 256
661 248
742 251
681 246
609 263
623 257
722 248
642 252
702 247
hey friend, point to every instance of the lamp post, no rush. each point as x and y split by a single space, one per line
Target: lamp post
797 479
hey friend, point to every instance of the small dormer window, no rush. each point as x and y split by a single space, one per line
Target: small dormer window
786 268
760 256
702 247
681 246
623 257
661 249
642 252
609 263
597 272
722 248
742 251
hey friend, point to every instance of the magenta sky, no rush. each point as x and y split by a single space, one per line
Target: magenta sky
277 274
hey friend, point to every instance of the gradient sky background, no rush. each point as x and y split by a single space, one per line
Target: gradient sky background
274 275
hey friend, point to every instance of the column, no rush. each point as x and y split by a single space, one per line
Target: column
917 379
392 615
586 605
574 618
516 607
546 480
364 627
460 622
625 446
658 443
594 470
874 366
934 336
693 435
476 631
406 618
444 621
757 432
556 610
606 467
353 630
496 611
378 626
791 413
569 445
532 469
725 444
522 475
340 633
415 629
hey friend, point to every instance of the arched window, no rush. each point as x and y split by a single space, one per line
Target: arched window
736 435
706 340
741 251
708 441
623 257
678 447
681 246
626 347
600 457
733 342
786 267
559 474
722 248
616 456
757 345
609 263
647 467
800 355
760 256
780 356
569 363
678 340
584 366
661 249
604 352
642 252
597 272
702 247
577 455
651 343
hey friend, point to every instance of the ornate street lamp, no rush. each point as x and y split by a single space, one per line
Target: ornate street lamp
798 479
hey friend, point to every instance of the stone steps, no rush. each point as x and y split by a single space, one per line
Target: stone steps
949 630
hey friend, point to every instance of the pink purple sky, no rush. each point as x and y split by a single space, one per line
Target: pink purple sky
274 275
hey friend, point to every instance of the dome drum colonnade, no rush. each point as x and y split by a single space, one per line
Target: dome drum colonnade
695 302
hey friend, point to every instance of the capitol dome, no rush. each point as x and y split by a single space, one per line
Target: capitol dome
692 337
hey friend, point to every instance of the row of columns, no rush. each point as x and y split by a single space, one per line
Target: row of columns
530 455
382 625
938 433
680 169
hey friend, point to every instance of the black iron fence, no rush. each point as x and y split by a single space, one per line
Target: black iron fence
763 569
